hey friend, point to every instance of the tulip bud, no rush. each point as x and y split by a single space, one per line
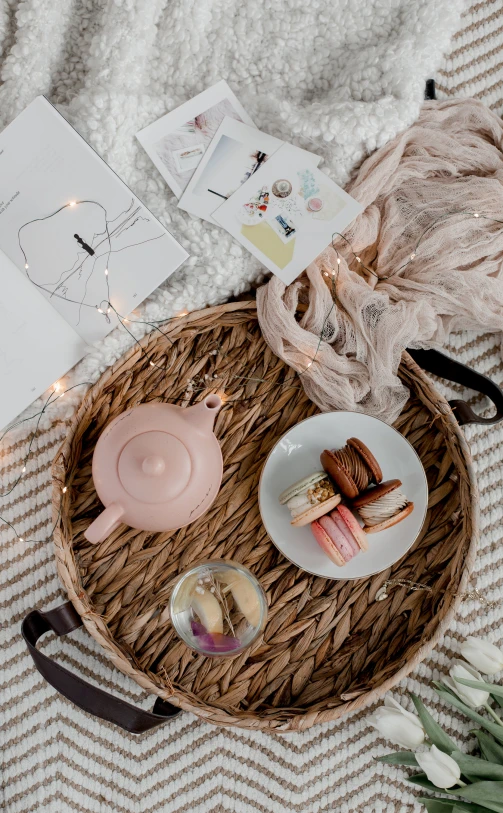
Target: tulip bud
440 768
480 653
397 724
472 697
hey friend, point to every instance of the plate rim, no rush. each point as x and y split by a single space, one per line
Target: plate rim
389 426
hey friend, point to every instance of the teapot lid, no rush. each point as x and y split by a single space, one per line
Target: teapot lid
154 467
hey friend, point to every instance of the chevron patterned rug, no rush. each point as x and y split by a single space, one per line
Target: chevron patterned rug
56 757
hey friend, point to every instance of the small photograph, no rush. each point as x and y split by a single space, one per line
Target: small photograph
177 142
233 158
284 227
287 233
189 141
231 164
188 158
282 188
254 210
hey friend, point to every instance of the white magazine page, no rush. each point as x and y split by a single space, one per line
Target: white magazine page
73 227
176 142
236 153
37 346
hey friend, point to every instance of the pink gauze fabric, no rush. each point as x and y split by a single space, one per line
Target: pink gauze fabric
449 161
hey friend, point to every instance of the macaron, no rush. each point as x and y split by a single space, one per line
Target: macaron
352 468
310 498
336 534
382 506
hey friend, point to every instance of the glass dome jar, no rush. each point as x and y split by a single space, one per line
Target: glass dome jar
218 608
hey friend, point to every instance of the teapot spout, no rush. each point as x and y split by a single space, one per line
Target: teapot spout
202 415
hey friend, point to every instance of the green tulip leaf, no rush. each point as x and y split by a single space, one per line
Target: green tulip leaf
492 688
475 767
494 728
436 734
450 806
489 747
489 794
399 758
438 805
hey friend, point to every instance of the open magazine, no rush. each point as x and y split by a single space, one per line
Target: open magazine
78 250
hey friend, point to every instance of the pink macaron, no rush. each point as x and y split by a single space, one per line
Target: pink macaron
339 535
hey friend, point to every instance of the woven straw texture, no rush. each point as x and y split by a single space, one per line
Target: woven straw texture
328 646
59 758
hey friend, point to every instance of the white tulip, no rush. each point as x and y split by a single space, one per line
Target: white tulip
397 724
440 768
480 653
472 697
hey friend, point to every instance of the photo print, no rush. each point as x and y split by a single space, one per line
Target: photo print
237 153
284 226
286 215
177 142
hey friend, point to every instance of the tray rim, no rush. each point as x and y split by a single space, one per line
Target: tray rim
96 625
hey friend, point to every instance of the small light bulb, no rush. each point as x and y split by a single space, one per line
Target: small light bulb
109 310
412 256
183 313
476 214
358 259
326 273
72 203
57 387
309 363
106 272
23 469
26 266
125 320
338 260
99 310
21 539
64 489
333 273
152 364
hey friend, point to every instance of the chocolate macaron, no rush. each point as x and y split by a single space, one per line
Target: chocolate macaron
310 498
382 506
352 468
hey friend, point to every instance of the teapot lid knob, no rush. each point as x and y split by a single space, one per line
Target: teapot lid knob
153 465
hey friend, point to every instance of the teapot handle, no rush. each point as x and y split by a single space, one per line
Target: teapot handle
105 523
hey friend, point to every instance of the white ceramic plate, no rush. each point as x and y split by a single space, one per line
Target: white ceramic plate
297 454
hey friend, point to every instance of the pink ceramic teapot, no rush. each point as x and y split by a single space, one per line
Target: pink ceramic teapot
157 467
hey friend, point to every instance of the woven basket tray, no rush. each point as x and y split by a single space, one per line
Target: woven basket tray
328 646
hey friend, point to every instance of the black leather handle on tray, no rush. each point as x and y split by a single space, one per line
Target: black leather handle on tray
65 619
441 365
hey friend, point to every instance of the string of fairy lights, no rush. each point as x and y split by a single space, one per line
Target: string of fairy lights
198 385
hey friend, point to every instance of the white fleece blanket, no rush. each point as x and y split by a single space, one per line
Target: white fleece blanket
340 78
337 78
